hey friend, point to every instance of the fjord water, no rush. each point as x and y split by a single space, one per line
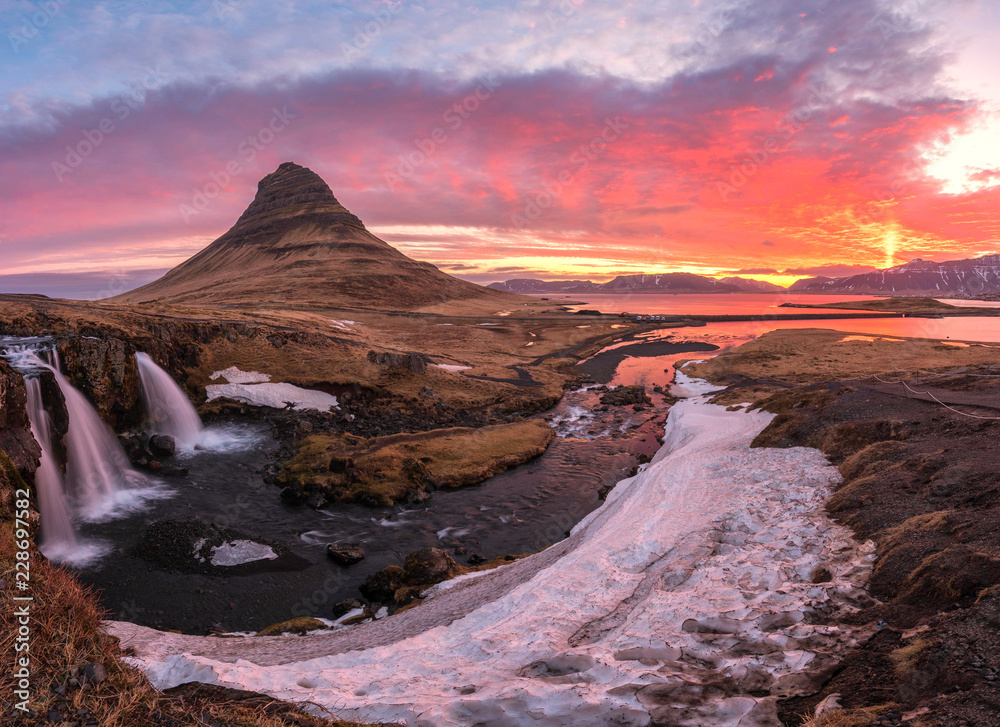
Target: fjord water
168 409
981 329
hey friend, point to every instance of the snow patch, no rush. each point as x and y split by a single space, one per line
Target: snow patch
238 552
344 325
451 367
277 396
233 375
688 591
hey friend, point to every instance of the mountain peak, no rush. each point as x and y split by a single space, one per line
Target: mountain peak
300 191
296 245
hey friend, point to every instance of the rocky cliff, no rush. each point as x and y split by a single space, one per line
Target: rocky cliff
15 428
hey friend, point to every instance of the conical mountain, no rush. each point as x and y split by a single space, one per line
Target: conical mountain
296 245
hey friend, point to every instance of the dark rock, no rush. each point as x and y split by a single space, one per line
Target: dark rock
162 445
15 428
316 500
476 559
626 395
104 369
95 672
382 585
345 554
292 497
346 606
428 566
409 361
340 465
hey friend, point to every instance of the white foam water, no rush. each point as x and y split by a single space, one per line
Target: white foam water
168 409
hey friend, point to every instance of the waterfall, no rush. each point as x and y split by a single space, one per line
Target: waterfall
58 539
98 472
167 406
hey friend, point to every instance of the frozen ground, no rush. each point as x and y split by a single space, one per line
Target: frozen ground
687 592
249 388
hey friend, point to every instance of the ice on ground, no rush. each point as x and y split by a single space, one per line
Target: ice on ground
868 339
277 396
488 324
685 386
344 325
233 375
451 367
686 599
238 552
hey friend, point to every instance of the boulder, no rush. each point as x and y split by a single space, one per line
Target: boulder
407 361
345 554
95 672
346 606
162 445
104 369
428 566
300 625
626 395
15 427
382 585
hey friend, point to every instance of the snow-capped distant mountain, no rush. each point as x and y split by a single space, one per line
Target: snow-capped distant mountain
749 285
970 278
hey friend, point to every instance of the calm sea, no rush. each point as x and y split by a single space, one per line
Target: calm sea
980 329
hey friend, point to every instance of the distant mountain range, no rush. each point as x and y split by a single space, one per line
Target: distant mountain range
660 283
970 278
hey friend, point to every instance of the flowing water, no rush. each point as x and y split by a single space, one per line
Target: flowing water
524 509
168 409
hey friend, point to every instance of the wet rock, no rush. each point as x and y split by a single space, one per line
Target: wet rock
626 395
711 626
345 554
820 574
405 361
476 559
382 585
346 606
104 369
162 445
316 501
292 496
15 428
428 566
95 672
300 625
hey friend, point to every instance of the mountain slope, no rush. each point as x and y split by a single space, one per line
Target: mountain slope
657 283
296 245
968 278
749 285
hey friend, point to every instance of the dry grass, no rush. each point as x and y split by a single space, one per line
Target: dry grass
906 659
908 305
812 355
387 469
66 636
849 717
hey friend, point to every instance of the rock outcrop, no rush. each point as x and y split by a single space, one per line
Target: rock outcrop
105 371
15 427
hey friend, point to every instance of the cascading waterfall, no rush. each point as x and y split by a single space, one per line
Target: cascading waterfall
167 406
98 472
100 481
58 539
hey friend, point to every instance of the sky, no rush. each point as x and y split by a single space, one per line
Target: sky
564 139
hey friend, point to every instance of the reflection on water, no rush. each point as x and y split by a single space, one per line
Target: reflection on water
705 304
